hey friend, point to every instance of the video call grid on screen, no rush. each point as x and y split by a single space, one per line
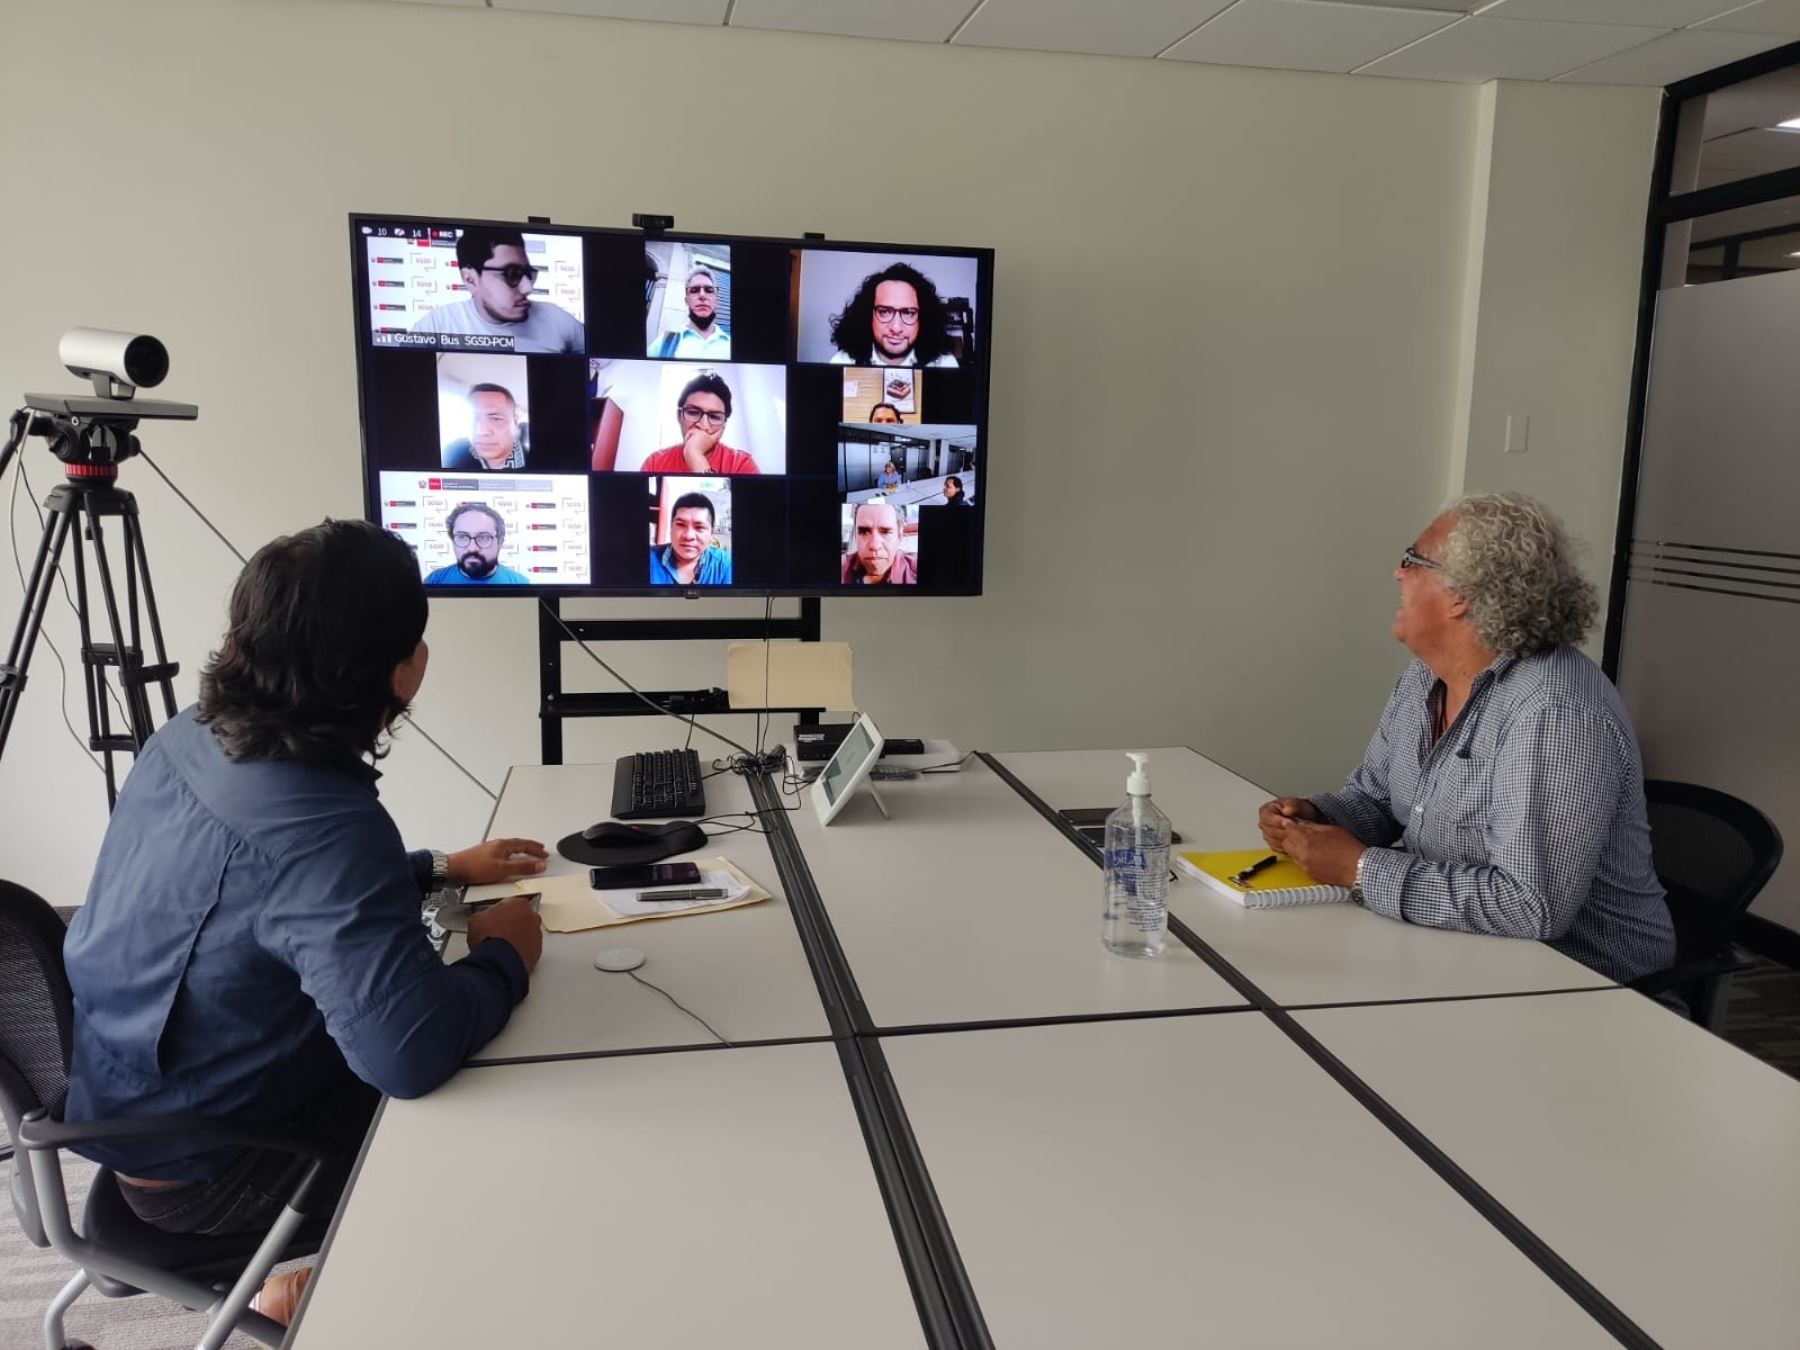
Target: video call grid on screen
550 382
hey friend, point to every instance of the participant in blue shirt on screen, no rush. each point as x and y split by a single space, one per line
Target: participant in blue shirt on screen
703 336
476 532
690 558
251 947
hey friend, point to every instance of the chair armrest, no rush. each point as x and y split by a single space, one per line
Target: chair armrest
1728 962
38 1131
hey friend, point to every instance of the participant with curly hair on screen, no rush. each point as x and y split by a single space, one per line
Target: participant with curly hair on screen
896 318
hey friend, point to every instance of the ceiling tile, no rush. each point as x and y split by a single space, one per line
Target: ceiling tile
1305 34
1142 28
1475 50
1446 6
1644 13
670 11
1781 17
1673 57
466 4
914 21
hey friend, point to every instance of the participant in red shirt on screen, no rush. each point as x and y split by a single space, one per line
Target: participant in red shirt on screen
703 410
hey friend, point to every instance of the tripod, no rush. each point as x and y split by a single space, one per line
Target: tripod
76 510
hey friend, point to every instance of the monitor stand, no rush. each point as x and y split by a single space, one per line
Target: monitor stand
556 704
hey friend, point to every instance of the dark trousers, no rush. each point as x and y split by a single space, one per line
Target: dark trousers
251 1191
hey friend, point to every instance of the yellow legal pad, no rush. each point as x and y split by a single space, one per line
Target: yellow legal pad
1281 883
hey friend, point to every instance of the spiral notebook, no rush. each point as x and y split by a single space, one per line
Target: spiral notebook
1275 887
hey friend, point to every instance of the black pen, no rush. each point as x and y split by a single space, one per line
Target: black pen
696 893
1243 877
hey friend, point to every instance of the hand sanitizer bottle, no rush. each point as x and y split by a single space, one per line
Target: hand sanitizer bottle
1136 918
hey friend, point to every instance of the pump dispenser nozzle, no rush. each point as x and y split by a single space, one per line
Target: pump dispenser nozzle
1138 785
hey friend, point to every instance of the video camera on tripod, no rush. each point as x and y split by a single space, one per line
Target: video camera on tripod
92 435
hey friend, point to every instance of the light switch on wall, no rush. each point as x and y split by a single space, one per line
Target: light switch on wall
1518 431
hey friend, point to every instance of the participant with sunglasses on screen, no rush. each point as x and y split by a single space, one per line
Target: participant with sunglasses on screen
704 336
896 318
500 278
702 412
477 532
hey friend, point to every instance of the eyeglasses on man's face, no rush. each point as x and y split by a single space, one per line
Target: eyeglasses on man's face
482 540
1413 558
888 313
513 273
715 420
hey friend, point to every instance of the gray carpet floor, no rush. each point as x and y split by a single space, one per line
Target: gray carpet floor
29 1279
1763 1018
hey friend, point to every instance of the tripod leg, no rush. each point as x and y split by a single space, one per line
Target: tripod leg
130 661
134 541
93 679
31 617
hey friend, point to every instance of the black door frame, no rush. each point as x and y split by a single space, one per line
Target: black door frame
1664 210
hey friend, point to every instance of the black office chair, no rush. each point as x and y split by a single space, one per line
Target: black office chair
1713 853
117 1252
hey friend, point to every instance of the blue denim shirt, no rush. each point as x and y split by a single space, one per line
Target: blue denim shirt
251 938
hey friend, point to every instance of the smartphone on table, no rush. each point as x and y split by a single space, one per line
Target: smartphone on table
639 875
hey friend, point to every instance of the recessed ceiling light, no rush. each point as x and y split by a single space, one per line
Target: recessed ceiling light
1792 124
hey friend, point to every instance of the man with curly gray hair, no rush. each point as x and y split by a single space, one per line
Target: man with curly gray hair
1503 792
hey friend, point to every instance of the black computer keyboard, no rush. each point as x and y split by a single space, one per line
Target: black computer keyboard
658 783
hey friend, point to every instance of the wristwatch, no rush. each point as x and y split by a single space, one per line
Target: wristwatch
1356 890
440 870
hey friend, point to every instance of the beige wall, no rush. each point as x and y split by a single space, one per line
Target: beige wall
1562 187
1228 347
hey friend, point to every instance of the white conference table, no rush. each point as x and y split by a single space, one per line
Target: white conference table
964 907
743 970
679 1200
1661 1162
1201 1157
1199 1180
1309 954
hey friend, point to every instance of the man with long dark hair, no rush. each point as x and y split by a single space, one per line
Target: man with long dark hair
896 318
251 946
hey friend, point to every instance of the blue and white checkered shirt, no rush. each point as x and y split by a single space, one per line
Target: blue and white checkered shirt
1526 818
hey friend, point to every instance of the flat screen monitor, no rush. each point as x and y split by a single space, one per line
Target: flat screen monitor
613 412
